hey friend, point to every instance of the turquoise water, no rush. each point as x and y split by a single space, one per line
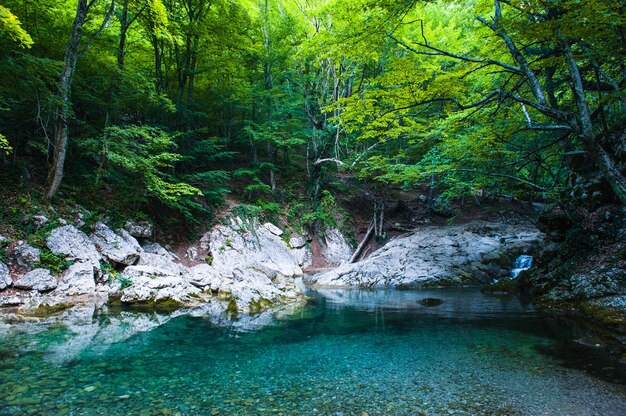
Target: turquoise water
344 353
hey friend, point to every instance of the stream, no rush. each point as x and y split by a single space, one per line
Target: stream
346 352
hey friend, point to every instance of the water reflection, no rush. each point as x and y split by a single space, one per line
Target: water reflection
460 303
378 352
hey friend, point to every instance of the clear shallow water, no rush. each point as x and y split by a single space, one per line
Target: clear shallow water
346 352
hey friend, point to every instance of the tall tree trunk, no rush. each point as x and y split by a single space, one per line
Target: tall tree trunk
603 159
63 112
124 25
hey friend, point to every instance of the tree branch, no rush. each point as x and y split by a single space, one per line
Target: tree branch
480 172
440 52
103 25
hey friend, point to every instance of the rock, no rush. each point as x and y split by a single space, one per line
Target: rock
39 279
192 253
297 242
301 251
205 276
156 248
303 256
428 302
26 256
273 229
139 229
13 300
503 286
435 256
241 245
78 217
126 236
114 247
335 248
161 262
252 290
152 285
79 279
4 240
73 244
39 221
5 276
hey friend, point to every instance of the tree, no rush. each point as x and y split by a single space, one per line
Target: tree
11 28
73 52
531 68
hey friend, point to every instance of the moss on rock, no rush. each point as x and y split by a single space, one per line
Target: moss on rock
503 286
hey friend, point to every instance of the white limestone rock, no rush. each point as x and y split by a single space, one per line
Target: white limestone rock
74 245
153 285
78 279
139 229
26 256
113 246
156 248
273 229
161 262
437 256
5 276
240 245
39 279
335 248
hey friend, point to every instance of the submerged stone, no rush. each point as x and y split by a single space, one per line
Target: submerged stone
430 302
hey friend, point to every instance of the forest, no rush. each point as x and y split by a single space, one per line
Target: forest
165 108
313 207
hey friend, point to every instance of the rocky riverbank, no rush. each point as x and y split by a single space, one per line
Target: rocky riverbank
581 270
243 265
439 256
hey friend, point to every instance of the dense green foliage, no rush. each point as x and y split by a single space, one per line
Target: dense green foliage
166 106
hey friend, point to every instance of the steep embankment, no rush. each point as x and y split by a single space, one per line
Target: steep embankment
239 266
582 269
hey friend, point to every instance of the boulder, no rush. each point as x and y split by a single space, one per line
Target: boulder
5 276
335 248
192 253
39 221
301 251
4 240
26 256
303 256
151 285
113 246
78 279
297 241
204 276
252 290
39 279
73 244
438 256
13 300
273 229
240 245
156 248
161 262
139 229
126 236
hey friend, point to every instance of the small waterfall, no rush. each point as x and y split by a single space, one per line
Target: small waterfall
521 263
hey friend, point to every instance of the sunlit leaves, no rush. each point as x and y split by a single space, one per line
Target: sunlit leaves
11 28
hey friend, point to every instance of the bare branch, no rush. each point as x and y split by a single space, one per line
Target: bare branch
329 159
480 172
440 52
